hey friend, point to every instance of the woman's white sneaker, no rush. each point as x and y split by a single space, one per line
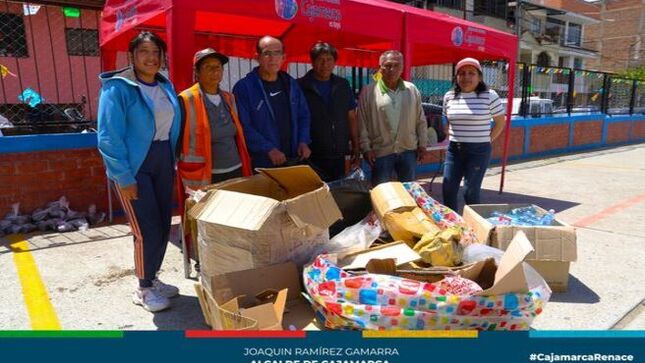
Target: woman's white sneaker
163 289
150 299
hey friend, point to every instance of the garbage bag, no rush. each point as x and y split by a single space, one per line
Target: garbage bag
353 239
39 215
352 195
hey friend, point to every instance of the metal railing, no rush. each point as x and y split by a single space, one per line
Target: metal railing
543 91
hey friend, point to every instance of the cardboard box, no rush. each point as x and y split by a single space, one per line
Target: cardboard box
238 300
276 216
391 197
555 245
399 213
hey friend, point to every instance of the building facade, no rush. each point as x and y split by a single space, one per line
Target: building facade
619 35
49 57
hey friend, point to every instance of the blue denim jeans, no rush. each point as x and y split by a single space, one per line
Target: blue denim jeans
404 164
468 161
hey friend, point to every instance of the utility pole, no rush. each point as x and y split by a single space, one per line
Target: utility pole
518 23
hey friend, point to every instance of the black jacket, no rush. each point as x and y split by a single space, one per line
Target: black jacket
330 130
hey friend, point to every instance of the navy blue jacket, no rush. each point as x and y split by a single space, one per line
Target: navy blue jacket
258 120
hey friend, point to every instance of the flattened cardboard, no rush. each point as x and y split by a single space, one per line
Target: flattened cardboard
551 243
313 208
399 251
391 197
509 276
243 211
295 180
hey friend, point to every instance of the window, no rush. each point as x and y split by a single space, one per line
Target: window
82 41
13 42
574 34
534 24
453 4
496 8
553 29
577 63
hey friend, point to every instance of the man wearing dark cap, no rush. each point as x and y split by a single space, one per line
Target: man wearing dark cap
213 147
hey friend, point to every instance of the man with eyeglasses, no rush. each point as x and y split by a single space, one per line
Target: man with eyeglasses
393 128
273 110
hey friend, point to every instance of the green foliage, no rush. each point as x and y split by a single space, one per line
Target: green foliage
635 73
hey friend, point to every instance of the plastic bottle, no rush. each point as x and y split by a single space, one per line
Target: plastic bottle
548 218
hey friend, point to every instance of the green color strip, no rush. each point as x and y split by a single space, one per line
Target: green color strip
61 334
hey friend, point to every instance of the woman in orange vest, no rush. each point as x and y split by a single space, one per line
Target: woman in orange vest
213 146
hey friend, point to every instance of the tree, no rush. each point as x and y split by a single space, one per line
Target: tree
635 73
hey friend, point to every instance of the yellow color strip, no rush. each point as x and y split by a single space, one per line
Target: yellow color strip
41 311
420 334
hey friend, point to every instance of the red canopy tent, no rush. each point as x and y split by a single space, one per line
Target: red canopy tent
360 29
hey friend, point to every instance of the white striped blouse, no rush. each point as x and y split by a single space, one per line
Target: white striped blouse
469 115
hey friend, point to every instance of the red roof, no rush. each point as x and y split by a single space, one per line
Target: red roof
360 29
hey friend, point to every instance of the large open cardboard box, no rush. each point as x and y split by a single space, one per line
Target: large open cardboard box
555 245
266 298
276 216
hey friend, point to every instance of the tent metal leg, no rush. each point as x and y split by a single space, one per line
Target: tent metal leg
185 252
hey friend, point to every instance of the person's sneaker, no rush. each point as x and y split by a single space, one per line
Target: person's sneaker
163 289
150 299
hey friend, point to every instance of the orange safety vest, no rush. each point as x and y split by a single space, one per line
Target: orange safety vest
195 158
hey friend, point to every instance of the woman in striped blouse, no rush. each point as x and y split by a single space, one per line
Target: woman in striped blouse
469 108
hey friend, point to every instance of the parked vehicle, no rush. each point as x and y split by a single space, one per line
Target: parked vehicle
537 106
434 118
589 109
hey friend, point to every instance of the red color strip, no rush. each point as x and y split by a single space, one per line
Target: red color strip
245 334
586 221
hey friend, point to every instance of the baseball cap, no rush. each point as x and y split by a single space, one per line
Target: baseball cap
468 62
209 52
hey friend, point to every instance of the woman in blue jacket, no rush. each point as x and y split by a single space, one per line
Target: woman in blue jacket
138 129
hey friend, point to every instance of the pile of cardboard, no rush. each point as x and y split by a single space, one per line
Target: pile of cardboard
247 229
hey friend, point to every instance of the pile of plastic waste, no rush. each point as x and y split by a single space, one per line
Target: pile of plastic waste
526 216
55 216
